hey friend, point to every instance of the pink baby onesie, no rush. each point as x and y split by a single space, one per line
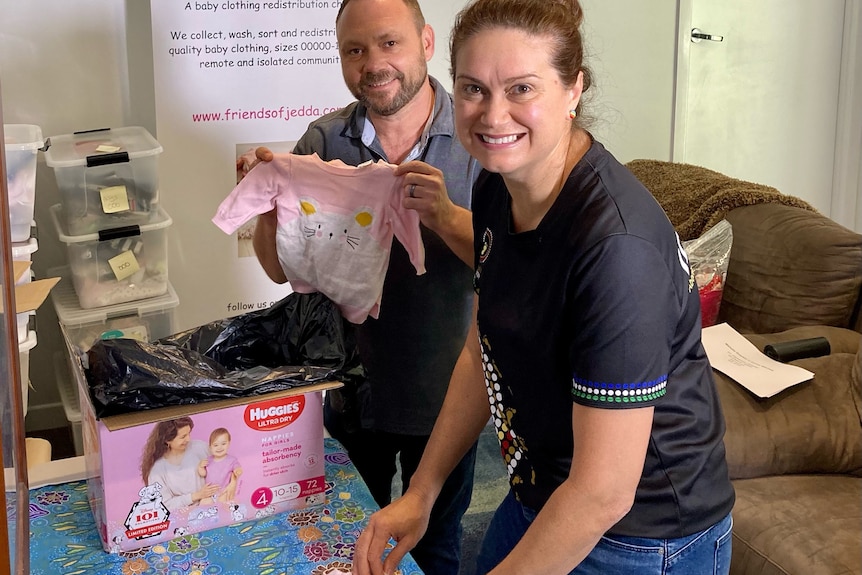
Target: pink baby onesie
335 225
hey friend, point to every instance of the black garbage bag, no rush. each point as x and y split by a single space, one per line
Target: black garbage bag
298 341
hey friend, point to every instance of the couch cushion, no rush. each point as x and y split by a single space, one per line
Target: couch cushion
813 427
797 525
790 267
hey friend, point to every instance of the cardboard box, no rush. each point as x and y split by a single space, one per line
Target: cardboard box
23 252
28 297
277 439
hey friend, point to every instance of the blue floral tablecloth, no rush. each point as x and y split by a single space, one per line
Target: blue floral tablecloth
314 541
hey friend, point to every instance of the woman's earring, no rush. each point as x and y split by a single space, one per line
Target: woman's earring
573 114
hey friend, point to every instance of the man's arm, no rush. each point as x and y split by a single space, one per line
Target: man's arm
265 248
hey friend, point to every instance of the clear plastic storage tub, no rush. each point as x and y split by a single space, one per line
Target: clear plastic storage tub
145 320
69 398
117 265
22 145
107 178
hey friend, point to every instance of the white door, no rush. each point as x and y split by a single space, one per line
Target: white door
762 103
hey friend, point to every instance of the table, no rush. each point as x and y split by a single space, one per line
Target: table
313 541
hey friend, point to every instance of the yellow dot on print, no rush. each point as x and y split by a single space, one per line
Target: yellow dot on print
336 526
501 435
344 495
327 519
512 450
159 549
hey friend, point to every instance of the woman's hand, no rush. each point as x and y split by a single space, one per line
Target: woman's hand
208 490
404 520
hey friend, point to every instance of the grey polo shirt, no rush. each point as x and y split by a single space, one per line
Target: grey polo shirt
410 350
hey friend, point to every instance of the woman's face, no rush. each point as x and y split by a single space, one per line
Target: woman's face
511 108
181 441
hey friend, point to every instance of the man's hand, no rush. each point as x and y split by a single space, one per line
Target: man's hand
250 159
405 520
425 192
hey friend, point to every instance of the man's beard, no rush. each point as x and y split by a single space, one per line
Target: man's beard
409 87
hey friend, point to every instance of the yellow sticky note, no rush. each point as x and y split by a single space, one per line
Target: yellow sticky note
114 199
124 265
108 149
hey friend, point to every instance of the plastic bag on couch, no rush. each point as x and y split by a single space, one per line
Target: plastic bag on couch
709 256
299 340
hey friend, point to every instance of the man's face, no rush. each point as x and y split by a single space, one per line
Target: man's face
383 56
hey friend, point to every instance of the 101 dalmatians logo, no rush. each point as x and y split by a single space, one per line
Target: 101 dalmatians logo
148 516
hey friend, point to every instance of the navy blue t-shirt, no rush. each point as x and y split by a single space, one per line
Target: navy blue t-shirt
597 305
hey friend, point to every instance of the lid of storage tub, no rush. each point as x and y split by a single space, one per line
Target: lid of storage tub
69 311
22 137
28 343
71 150
22 251
162 220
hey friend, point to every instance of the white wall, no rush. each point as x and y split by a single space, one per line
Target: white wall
74 65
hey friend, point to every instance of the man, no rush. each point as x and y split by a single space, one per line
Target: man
405 117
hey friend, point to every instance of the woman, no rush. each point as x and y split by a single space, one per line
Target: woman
587 344
172 459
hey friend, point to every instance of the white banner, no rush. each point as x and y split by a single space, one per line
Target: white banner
231 75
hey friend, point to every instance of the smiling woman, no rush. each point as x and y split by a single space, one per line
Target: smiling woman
599 388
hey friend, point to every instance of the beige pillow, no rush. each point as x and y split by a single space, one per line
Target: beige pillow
813 427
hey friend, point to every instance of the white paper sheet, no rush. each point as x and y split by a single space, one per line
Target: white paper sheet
736 357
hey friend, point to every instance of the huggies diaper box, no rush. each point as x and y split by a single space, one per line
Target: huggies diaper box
159 474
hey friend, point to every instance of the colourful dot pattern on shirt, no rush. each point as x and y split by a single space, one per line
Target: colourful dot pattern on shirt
619 392
512 447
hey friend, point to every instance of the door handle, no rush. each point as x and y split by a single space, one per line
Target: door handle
697 35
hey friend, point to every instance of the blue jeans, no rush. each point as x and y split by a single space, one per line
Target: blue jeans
374 454
704 553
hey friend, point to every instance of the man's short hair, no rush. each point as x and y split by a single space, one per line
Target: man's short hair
418 17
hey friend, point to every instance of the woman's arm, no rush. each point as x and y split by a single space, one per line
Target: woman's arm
464 414
172 494
607 463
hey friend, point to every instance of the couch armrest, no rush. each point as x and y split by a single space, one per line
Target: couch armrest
790 267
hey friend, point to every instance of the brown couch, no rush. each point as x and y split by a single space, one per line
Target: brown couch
796 458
